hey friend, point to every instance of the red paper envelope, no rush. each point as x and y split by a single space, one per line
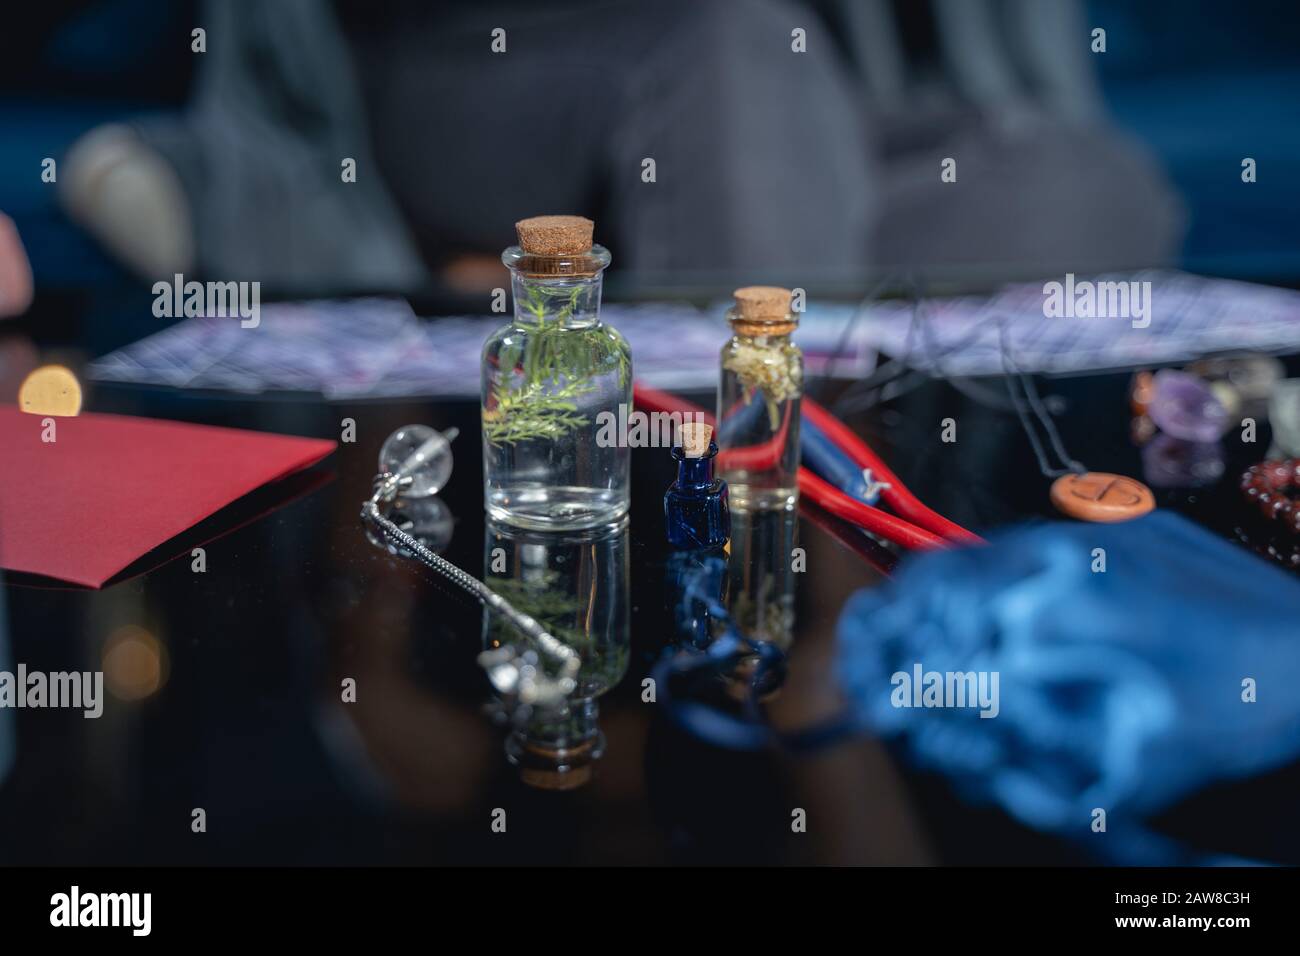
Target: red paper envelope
112 488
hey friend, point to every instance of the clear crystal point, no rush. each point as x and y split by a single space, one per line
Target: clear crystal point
422 455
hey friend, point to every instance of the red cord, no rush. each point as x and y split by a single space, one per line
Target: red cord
864 515
897 495
658 400
758 457
823 493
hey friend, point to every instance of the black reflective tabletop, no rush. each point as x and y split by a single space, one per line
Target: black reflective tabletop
320 701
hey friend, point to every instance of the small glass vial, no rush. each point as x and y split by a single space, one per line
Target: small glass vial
549 378
758 401
695 506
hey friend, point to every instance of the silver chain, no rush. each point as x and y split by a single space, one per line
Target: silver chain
510 670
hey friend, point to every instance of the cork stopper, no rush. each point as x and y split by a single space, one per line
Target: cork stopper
555 235
763 310
695 439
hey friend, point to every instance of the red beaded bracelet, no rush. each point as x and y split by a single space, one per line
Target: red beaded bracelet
1274 487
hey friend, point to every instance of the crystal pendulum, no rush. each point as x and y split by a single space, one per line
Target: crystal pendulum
419 458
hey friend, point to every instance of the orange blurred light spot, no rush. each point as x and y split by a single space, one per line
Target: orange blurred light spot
134 663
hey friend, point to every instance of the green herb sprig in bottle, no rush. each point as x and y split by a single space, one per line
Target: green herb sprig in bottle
547 377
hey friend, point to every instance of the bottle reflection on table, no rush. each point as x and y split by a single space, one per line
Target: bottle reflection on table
576 586
695 581
760 588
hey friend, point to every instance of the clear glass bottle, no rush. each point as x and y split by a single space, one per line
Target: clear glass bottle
575 584
758 401
547 378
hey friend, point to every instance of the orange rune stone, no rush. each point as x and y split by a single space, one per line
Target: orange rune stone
1100 496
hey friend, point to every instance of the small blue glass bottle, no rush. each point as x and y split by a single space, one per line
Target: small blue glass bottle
695 505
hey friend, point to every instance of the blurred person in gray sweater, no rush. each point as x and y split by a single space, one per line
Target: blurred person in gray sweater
794 142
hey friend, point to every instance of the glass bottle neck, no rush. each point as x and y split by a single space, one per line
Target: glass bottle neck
570 302
770 330
695 473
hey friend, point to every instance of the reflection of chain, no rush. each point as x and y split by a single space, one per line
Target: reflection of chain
511 671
